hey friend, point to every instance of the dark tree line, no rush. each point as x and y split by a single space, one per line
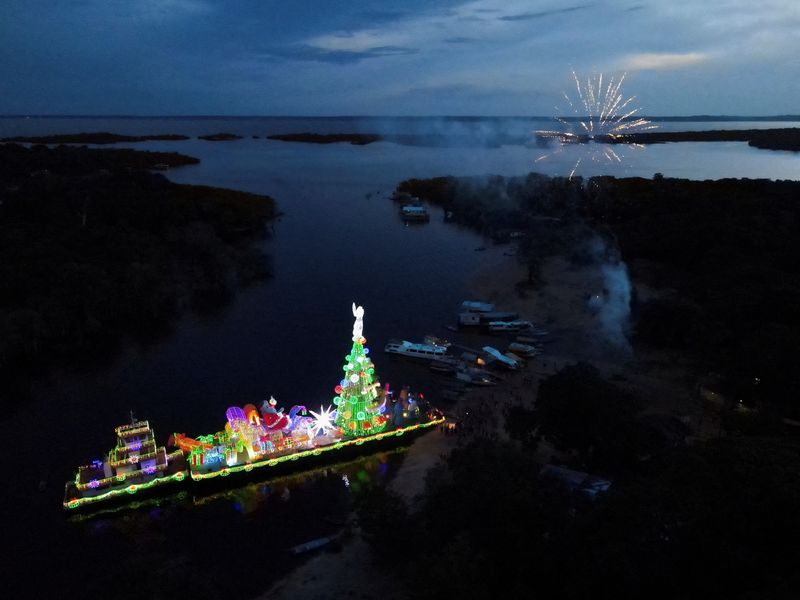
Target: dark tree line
93 250
717 519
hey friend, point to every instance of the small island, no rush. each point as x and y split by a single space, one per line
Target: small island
100 137
357 139
220 137
787 138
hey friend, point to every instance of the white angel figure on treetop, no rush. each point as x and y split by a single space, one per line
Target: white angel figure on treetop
358 326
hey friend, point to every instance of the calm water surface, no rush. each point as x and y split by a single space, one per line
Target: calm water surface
339 241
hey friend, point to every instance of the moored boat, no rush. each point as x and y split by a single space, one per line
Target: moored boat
524 350
473 318
502 359
477 306
415 350
414 212
443 366
512 326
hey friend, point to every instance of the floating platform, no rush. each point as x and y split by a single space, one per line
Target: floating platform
345 449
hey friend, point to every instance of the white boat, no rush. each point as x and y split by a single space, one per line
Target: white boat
414 212
517 325
413 350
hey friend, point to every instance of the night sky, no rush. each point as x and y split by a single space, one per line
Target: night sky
418 57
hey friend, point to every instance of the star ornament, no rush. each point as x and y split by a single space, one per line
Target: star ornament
323 420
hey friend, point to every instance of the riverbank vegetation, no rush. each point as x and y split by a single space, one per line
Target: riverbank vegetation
787 138
711 520
95 249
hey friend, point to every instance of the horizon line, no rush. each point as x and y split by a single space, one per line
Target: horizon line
779 117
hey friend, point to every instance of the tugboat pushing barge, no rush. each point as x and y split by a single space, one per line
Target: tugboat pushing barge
364 414
134 464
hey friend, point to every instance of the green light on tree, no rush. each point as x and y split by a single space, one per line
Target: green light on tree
358 409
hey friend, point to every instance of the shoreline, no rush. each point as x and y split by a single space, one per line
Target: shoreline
784 138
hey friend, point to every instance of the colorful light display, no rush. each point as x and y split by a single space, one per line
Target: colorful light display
251 439
358 410
273 462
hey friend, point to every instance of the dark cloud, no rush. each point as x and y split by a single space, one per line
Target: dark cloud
528 16
304 52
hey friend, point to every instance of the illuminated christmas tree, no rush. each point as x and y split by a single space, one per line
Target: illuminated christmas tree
358 410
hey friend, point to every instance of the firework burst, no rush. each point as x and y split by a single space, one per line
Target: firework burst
597 115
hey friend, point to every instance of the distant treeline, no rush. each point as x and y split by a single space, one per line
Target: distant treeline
768 139
104 137
101 137
358 139
771 139
724 254
95 249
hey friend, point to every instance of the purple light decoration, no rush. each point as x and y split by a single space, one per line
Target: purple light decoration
94 484
135 446
150 470
235 413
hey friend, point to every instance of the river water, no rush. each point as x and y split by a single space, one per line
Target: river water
339 241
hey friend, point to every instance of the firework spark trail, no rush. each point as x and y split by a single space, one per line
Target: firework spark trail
603 116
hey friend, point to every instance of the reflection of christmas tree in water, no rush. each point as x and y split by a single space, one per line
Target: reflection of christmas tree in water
358 410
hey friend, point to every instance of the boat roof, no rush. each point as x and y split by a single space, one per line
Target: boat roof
406 345
477 306
499 355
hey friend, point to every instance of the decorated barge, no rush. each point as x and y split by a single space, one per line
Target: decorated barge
364 417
